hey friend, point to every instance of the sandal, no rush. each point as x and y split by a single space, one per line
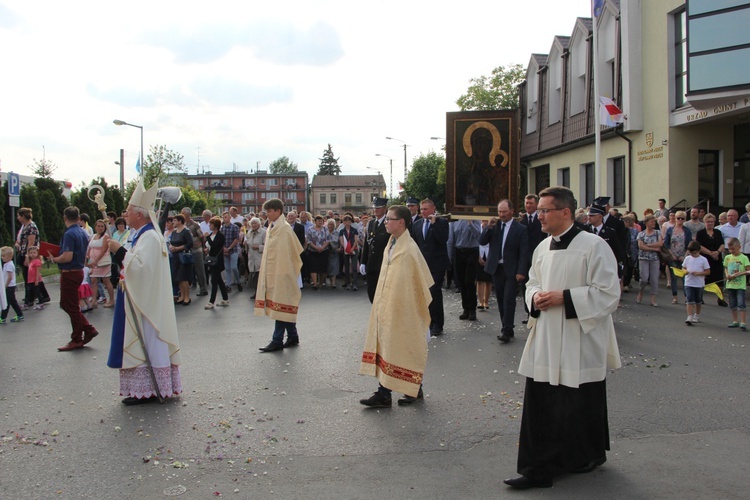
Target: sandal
109 305
208 306
186 302
674 300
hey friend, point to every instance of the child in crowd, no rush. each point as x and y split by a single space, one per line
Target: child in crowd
697 268
86 301
37 290
9 282
736 267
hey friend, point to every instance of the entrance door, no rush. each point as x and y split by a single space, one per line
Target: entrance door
708 177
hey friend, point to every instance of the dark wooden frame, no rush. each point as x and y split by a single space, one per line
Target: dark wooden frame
457 163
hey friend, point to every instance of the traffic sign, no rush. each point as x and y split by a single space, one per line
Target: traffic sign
14 201
14 184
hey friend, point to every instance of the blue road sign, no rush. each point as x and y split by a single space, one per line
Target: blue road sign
14 184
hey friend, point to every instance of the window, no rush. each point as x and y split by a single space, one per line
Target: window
347 198
541 178
578 54
248 198
272 182
250 182
618 181
680 59
555 76
332 198
322 198
358 198
588 186
532 93
708 176
563 177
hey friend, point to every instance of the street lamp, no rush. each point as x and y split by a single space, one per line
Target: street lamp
120 122
390 181
406 173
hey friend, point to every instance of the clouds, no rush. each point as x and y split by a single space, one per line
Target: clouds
272 41
8 19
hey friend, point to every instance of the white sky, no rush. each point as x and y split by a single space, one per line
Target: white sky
247 82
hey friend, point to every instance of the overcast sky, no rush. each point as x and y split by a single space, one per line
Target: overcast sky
228 83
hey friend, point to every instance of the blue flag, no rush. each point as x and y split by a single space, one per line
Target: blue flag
138 166
597 7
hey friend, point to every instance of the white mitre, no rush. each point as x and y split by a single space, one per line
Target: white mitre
144 198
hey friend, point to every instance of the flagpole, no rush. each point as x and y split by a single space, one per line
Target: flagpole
597 118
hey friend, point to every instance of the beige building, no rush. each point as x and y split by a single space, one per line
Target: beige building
679 72
345 193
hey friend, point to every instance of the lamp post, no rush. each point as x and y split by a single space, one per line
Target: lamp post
120 122
390 181
399 140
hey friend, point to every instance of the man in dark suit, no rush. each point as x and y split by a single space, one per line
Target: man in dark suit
376 239
507 262
431 235
413 205
623 237
535 233
299 229
597 226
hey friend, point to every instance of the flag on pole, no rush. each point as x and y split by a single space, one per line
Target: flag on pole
609 113
714 288
597 6
138 165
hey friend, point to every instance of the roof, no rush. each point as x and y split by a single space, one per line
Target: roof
330 181
541 59
563 40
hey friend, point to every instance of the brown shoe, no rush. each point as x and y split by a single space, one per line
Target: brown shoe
88 337
71 346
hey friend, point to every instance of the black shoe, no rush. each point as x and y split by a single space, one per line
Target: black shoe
229 289
253 297
291 343
407 400
504 338
239 287
273 346
480 307
722 303
590 466
377 401
525 322
472 315
201 294
436 332
139 401
524 483
464 315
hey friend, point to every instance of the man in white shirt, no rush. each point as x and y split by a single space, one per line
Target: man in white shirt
732 228
205 227
235 216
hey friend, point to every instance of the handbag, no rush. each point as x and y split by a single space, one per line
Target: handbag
186 258
665 255
209 260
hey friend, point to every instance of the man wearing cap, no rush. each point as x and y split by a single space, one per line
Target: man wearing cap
144 311
596 224
413 205
376 239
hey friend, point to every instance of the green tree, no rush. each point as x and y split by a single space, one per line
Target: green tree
43 168
282 165
160 162
329 164
30 199
49 218
424 180
5 238
498 91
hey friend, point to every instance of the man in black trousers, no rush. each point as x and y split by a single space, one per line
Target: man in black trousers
535 233
507 262
376 239
430 232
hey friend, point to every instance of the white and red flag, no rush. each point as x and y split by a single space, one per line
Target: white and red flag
609 113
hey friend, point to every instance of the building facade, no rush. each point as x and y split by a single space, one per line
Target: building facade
679 71
345 193
248 191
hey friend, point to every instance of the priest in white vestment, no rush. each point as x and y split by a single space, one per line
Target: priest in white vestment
573 290
145 307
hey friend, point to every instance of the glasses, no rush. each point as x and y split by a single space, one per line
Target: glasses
680 218
391 219
545 211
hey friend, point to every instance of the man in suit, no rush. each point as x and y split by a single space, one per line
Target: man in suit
507 262
431 235
535 233
623 236
376 238
597 226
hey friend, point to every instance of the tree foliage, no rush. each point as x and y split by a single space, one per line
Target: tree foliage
30 199
282 165
498 91
5 216
160 162
329 164
424 180
43 168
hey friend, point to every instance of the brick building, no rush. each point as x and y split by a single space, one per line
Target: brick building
345 193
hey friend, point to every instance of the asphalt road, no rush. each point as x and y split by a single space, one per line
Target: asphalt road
289 425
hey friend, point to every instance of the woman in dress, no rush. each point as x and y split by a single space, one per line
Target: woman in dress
254 242
712 248
349 243
215 253
181 242
100 263
334 254
317 252
676 239
649 243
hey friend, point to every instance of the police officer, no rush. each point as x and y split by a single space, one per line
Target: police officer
376 239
